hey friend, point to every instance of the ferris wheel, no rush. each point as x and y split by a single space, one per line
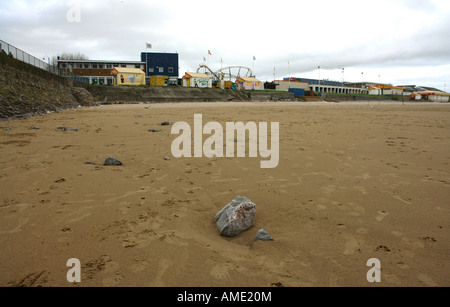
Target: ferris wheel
228 73
234 72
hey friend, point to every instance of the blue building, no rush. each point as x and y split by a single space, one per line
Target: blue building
161 64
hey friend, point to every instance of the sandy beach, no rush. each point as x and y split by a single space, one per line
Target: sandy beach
355 181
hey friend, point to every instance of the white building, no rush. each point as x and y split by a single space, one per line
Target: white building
200 80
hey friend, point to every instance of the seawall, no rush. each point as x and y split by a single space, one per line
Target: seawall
154 94
26 90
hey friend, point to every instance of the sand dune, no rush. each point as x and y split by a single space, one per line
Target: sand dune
355 181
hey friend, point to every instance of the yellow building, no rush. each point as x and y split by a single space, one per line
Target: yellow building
128 76
244 83
158 80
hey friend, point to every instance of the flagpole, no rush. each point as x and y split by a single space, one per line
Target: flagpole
209 54
253 65
289 72
146 63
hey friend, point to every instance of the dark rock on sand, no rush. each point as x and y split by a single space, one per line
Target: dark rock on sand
112 162
64 129
264 236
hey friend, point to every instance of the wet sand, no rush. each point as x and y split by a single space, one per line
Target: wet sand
355 181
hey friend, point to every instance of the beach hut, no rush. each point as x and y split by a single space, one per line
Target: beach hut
434 96
191 79
128 76
249 83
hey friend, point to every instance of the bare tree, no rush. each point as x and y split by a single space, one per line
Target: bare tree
69 56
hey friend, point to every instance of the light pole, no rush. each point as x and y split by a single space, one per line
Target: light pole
319 80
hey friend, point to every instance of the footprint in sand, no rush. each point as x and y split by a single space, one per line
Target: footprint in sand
22 222
103 264
381 215
357 209
221 272
162 268
139 266
328 189
31 280
112 280
77 219
427 280
403 200
398 234
351 246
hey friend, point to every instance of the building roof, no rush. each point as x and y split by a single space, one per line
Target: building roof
293 80
387 87
101 61
431 93
248 79
431 89
123 70
196 75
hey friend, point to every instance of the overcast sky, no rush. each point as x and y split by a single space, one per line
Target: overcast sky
387 41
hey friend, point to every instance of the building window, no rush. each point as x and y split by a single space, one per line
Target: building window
161 69
63 65
100 66
137 66
79 66
123 65
95 66
151 69
171 70
109 66
86 65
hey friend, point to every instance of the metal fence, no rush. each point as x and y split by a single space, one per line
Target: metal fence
27 58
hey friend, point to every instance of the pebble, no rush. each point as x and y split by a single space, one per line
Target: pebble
264 236
112 162
67 129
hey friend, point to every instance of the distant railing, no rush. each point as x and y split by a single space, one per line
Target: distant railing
78 78
25 57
